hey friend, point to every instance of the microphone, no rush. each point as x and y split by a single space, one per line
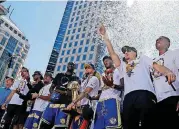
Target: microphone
173 87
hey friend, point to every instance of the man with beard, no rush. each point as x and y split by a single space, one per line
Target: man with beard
107 115
167 94
140 100
60 98
41 102
15 102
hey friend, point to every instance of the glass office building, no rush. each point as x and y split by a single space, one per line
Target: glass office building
13 43
74 42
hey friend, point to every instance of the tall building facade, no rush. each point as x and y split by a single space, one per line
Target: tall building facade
74 42
13 47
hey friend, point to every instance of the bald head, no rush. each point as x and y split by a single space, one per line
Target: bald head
162 43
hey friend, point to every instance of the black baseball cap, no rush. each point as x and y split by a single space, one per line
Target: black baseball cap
38 73
106 57
128 48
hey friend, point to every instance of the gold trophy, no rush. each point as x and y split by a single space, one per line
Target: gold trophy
74 87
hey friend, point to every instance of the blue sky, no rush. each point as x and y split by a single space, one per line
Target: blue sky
39 21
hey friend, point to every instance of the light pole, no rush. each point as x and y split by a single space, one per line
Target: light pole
7 67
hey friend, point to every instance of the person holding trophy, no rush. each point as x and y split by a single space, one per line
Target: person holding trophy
61 96
89 88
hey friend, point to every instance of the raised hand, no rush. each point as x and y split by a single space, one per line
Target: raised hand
170 77
102 30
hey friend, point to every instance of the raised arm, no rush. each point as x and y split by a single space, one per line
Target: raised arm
165 71
111 51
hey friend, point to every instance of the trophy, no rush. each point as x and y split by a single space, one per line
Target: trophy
74 87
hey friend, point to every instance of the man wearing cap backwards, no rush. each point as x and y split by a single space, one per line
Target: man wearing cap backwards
41 102
89 87
167 116
140 100
15 107
106 115
60 98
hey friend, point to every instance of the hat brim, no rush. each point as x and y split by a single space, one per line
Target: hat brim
87 65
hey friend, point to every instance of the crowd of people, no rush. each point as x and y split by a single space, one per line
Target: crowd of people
135 92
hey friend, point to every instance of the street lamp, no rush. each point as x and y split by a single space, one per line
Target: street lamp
7 64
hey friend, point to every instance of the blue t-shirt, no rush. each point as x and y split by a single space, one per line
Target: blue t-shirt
4 93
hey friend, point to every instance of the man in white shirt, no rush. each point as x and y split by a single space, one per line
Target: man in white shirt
107 115
89 87
15 106
140 100
167 94
41 102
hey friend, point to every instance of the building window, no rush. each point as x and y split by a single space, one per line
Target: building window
6 25
63 52
85 5
77 36
81 42
86 22
92 48
74 31
87 41
79 29
66 39
84 57
68 31
74 51
70 44
70 26
72 59
76 2
81 23
90 56
82 16
80 7
18 50
78 58
58 69
75 8
79 50
3 41
82 66
66 59
72 19
83 35
68 52
86 49
65 45
77 18
89 34
81 74
78 13
64 67
72 37
61 59
76 66
75 24
76 43
84 29
90 4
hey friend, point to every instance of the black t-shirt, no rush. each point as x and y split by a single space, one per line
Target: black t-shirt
60 82
62 79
